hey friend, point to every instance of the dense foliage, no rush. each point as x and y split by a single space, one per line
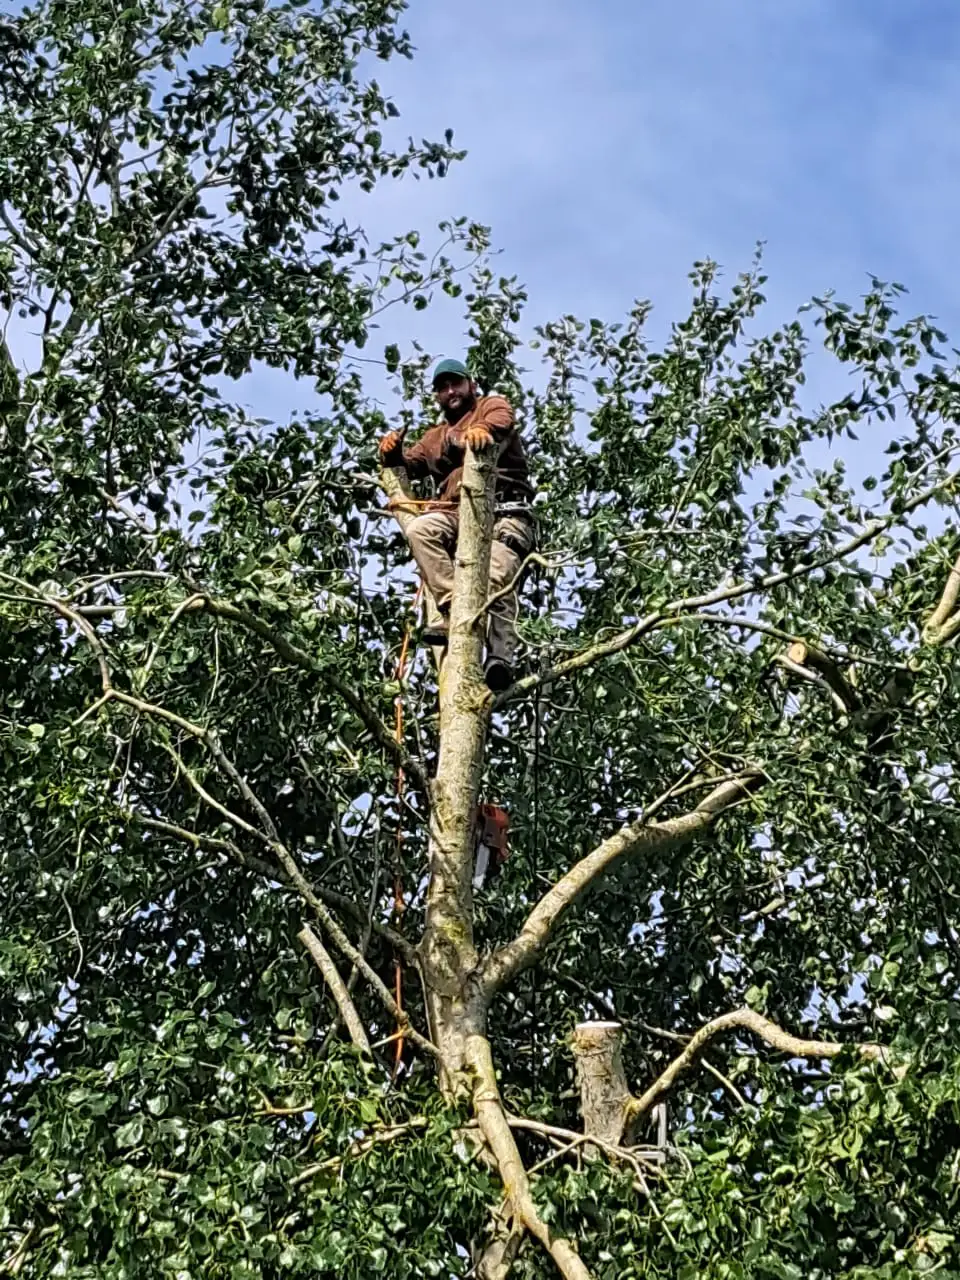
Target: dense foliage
199 627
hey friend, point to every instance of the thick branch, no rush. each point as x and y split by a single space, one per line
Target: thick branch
629 842
341 997
495 1128
447 949
944 621
768 1031
498 1258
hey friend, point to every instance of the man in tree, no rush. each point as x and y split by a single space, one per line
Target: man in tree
476 422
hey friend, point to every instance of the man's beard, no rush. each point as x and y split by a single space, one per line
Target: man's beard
463 407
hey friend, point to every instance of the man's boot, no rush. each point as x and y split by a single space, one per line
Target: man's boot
437 629
436 633
499 674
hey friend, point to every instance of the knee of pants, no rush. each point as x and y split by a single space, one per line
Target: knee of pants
504 563
431 530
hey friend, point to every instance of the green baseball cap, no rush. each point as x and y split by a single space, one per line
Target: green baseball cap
456 367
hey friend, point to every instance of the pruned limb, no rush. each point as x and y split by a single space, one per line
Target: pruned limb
629 842
768 1031
812 659
604 1094
811 677
492 1119
341 996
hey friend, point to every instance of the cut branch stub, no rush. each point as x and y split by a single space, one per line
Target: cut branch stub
395 485
604 1095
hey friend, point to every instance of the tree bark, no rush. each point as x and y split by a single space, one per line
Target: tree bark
604 1095
338 989
457 1001
448 953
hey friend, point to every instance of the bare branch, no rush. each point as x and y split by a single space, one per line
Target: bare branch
533 558
359 1148
346 1007
18 237
492 1119
768 1031
736 591
727 1084
736 621
651 1155
69 614
630 841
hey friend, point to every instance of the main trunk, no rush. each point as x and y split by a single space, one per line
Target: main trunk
448 953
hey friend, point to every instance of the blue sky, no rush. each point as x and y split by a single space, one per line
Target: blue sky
612 142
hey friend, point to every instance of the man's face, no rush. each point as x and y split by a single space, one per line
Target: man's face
455 396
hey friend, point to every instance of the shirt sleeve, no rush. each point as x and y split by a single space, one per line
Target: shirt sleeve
421 459
496 414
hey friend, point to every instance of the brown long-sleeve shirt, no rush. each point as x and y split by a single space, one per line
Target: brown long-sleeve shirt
439 452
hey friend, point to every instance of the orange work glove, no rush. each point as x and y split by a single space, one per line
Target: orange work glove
477 439
391 445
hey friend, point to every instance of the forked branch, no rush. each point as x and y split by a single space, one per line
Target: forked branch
630 841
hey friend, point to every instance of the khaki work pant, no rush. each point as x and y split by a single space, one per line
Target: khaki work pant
433 541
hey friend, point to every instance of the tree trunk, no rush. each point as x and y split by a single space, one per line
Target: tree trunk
447 950
457 999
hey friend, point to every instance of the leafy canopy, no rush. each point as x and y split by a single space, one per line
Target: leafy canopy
175 1103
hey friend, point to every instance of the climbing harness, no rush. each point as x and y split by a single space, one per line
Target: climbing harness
418 506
